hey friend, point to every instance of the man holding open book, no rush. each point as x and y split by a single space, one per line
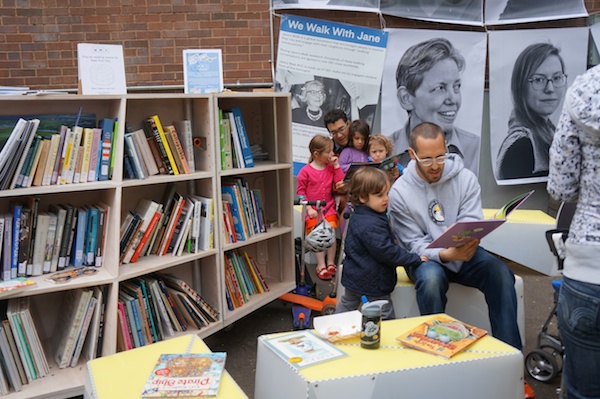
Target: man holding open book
436 191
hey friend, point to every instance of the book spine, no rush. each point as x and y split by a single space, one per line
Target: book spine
51 162
78 249
243 136
161 141
134 157
95 155
124 326
149 230
188 143
52 227
106 147
156 155
16 241
67 238
179 153
58 162
165 142
88 142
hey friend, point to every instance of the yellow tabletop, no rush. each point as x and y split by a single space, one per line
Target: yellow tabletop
123 375
527 216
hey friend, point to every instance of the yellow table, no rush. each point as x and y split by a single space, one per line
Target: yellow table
487 369
522 239
123 375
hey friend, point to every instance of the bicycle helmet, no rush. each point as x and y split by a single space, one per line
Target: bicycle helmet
321 238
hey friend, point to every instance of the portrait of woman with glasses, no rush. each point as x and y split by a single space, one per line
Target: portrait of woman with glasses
312 97
538 86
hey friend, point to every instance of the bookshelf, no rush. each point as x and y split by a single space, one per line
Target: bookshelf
267 117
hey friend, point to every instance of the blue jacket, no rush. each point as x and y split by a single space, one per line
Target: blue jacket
372 254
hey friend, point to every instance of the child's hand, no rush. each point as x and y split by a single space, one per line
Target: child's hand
424 258
312 213
334 161
394 173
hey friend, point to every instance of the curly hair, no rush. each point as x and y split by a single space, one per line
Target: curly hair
380 139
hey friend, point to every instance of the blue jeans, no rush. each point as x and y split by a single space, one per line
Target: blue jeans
485 272
579 326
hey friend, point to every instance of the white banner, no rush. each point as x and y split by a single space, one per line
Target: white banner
499 12
529 74
327 65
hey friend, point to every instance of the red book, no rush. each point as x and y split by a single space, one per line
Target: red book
145 237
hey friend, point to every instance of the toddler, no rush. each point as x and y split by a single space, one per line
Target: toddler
372 254
315 182
380 147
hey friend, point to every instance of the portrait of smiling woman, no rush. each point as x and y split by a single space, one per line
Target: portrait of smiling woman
312 96
538 86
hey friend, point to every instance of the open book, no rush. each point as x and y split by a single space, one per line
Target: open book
442 336
386 164
462 232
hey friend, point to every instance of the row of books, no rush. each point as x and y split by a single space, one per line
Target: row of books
21 351
236 151
36 242
72 155
158 149
154 307
243 210
179 223
242 279
80 327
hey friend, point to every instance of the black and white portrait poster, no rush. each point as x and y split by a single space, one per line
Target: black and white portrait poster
529 74
464 12
498 12
438 77
327 65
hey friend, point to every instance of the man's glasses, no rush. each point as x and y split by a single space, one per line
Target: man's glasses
539 82
338 131
429 161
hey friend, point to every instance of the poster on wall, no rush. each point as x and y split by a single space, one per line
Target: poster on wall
438 77
529 74
327 65
465 12
499 12
202 71
101 69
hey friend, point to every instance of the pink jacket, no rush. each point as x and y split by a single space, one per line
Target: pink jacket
316 184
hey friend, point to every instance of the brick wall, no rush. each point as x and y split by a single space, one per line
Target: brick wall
38 38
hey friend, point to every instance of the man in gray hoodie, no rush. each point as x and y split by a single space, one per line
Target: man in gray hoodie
435 191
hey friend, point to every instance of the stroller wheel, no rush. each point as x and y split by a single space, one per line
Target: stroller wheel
557 353
328 309
541 365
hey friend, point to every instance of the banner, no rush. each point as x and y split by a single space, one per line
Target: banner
327 65
499 12
529 74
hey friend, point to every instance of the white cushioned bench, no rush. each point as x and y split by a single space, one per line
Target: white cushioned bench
464 303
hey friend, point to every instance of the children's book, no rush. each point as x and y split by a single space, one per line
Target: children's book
193 375
387 164
461 233
302 348
19 283
441 335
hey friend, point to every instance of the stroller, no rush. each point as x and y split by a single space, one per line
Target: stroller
546 361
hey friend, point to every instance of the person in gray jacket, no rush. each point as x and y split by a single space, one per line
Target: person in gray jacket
573 176
436 191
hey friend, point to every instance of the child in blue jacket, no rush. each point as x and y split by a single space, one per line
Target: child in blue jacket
372 253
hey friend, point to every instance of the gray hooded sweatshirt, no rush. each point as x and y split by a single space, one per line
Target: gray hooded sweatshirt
420 211
575 174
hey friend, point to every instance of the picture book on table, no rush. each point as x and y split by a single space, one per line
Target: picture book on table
441 335
387 164
303 348
461 233
193 375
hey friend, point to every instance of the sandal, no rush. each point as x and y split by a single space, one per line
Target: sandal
332 269
323 274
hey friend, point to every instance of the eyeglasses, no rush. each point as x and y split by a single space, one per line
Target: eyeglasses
316 93
339 131
429 161
539 82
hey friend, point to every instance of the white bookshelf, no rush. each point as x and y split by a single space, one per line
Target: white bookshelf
268 120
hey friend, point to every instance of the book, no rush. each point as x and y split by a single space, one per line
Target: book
387 164
152 131
191 375
22 152
50 241
145 152
78 246
90 348
38 174
175 282
184 127
9 146
87 319
147 210
177 149
302 348
441 335
71 160
461 233
39 244
237 156
7 247
165 143
9 362
16 284
95 155
153 145
87 142
240 130
51 161
108 126
136 159
74 306
91 237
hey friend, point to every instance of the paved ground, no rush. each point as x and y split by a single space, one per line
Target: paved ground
239 340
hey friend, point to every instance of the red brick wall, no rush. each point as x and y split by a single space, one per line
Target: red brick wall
38 38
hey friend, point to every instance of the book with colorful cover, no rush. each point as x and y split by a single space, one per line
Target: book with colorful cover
192 375
461 233
387 164
441 335
302 348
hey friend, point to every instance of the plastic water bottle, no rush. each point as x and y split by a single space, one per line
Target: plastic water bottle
370 335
